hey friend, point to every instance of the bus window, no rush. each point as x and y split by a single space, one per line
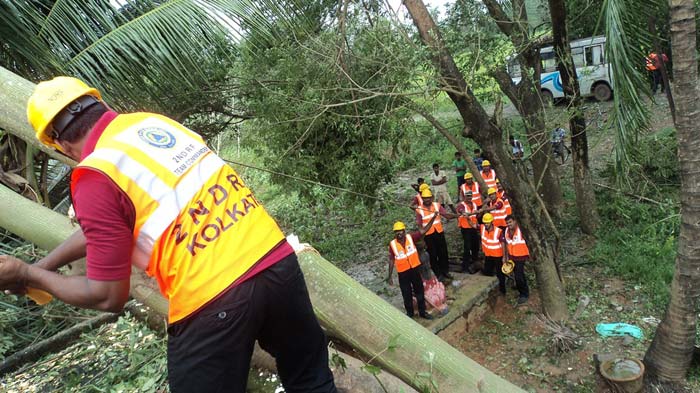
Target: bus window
594 55
577 54
549 63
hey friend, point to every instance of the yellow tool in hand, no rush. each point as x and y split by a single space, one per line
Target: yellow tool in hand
40 297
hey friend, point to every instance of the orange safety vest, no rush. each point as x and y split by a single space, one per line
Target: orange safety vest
499 215
405 258
427 213
490 180
506 202
516 244
651 61
464 221
476 192
491 241
198 227
420 199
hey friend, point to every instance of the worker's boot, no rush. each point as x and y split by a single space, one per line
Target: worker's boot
427 316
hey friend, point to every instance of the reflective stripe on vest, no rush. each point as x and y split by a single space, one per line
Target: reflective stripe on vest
491 242
420 199
427 213
464 221
198 228
499 215
506 202
516 244
407 258
476 192
489 179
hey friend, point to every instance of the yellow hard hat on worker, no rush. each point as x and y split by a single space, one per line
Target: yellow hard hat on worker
468 175
49 99
423 187
426 193
485 163
507 267
492 191
399 226
487 218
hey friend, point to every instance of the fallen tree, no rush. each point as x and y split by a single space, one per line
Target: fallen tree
346 309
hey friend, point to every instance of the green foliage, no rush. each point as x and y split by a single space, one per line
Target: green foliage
638 240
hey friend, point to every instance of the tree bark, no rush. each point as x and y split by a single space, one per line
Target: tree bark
539 231
528 101
585 197
669 356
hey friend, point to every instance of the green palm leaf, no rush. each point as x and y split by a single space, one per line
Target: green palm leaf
627 37
141 52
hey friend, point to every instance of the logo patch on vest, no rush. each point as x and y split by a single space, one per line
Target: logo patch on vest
157 137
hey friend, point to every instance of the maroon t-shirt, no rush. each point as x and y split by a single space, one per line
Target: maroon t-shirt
106 216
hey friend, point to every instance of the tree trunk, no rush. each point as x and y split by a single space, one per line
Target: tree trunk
528 101
585 197
669 356
537 226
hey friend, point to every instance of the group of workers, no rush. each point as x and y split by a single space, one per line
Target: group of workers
485 222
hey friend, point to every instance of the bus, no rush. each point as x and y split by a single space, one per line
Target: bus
594 76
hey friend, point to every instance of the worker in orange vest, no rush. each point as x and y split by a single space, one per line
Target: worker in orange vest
148 192
496 207
469 226
492 246
518 253
435 236
403 254
417 199
653 64
473 187
501 193
488 174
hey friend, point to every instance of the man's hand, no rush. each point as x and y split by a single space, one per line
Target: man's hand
13 273
390 280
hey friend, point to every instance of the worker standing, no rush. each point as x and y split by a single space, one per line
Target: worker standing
469 225
471 186
438 179
434 236
148 192
460 167
492 246
654 63
496 207
418 200
501 193
403 254
488 174
517 251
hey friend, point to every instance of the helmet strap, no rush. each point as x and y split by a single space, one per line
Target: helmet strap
71 112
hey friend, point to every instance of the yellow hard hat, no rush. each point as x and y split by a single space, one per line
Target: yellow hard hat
487 218
49 99
399 226
485 163
492 191
423 187
468 175
508 266
426 193
498 181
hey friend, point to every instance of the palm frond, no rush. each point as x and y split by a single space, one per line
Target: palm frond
143 48
627 40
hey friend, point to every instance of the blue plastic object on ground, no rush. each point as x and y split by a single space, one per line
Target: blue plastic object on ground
618 329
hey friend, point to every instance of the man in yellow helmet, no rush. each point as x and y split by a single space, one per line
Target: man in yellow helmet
149 193
434 236
403 254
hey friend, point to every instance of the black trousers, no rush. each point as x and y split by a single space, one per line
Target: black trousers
471 238
520 280
411 283
437 248
656 80
210 350
492 265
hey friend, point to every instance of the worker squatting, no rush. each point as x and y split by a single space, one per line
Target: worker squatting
200 213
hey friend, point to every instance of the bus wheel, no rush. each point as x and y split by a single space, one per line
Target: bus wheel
547 98
602 92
